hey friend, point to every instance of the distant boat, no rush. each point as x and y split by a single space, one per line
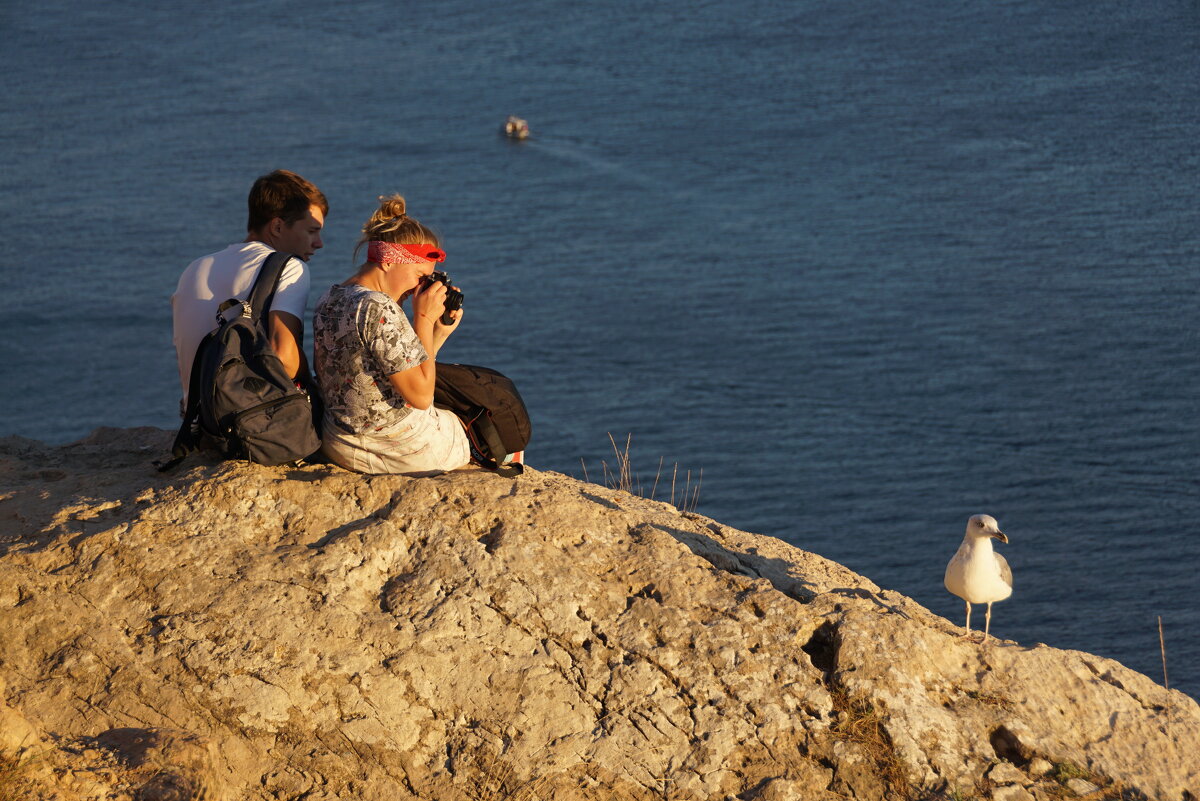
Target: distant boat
516 128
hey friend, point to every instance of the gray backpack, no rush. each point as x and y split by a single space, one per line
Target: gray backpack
241 401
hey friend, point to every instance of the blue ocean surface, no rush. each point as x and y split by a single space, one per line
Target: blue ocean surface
860 270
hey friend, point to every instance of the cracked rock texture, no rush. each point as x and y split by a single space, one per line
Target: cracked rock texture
240 632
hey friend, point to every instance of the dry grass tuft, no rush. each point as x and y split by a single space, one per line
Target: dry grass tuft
621 477
1056 781
15 784
989 699
859 722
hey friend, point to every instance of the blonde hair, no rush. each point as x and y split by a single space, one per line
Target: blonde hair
391 223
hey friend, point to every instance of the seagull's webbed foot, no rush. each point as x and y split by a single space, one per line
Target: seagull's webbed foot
969 635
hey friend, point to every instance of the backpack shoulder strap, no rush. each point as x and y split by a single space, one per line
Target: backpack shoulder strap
186 440
267 282
481 425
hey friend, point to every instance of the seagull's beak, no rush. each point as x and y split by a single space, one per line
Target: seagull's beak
1000 535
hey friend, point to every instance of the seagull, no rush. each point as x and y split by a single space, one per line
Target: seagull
977 574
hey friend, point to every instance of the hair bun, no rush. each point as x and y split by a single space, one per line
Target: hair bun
391 207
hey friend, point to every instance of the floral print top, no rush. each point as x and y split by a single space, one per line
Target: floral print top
360 337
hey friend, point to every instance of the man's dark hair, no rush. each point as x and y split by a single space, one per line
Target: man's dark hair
285 195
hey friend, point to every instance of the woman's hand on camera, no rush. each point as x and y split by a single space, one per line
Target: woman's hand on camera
443 330
429 302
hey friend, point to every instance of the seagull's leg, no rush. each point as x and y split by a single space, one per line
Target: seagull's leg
987 622
967 634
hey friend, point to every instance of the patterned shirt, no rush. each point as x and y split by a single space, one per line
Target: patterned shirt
360 337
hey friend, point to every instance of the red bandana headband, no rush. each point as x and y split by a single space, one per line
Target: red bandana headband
396 253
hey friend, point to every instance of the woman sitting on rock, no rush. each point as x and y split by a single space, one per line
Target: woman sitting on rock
376 369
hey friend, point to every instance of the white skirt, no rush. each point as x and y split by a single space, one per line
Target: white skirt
426 442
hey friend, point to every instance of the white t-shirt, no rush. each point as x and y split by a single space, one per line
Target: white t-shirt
211 280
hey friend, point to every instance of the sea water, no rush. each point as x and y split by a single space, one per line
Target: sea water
869 268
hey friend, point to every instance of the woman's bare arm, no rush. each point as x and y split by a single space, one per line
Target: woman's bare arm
416 383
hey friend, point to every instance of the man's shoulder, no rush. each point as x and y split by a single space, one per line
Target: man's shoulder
235 256
296 265
242 257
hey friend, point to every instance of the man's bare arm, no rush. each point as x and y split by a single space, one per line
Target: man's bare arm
287 338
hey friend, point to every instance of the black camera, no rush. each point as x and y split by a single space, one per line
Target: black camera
454 298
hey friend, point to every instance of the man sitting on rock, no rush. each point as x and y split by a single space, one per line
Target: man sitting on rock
286 213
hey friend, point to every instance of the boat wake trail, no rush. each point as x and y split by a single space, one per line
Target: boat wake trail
579 153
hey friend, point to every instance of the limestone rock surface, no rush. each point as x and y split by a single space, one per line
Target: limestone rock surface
238 632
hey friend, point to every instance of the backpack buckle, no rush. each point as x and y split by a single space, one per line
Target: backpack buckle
232 303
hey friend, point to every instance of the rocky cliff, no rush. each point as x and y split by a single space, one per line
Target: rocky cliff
239 632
